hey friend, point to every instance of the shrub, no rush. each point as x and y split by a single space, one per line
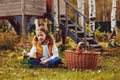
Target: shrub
100 36
87 28
26 44
118 36
115 40
7 40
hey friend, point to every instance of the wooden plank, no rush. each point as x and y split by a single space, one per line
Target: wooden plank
9 8
26 1
33 7
4 14
13 7
10 12
33 13
8 1
37 2
40 5
36 9
10 4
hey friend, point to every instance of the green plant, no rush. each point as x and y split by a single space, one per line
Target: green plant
118 36
26 44
99 36
87 28
7 40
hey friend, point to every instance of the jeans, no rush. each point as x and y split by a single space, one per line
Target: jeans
52 63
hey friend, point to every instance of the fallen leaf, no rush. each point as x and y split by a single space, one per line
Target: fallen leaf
1 72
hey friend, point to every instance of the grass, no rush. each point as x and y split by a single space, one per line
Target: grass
11 69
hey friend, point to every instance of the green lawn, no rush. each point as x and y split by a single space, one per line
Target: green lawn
11 69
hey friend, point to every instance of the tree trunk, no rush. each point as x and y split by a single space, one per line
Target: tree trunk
80 4
92 16
56 15
36 23
113 16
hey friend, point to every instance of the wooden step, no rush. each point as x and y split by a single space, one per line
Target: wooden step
63 18
71 25
88 38
98 49
81 32
95 45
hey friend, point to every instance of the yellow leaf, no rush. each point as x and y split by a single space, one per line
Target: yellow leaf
20 58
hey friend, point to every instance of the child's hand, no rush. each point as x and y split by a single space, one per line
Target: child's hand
24 53
35 38
44 62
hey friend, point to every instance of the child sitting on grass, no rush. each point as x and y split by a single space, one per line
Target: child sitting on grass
44 52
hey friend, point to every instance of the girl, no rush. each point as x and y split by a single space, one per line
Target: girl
44 51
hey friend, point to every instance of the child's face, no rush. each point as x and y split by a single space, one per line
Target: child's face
41 36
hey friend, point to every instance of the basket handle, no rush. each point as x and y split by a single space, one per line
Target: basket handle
80 47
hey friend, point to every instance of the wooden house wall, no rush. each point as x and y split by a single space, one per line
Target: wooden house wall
13 7
10 7
35 7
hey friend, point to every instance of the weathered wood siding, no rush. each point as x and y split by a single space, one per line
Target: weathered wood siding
13 7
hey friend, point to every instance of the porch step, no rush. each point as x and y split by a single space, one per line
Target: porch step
95 45
71 25
80 34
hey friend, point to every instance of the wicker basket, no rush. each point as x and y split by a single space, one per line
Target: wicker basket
81 60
